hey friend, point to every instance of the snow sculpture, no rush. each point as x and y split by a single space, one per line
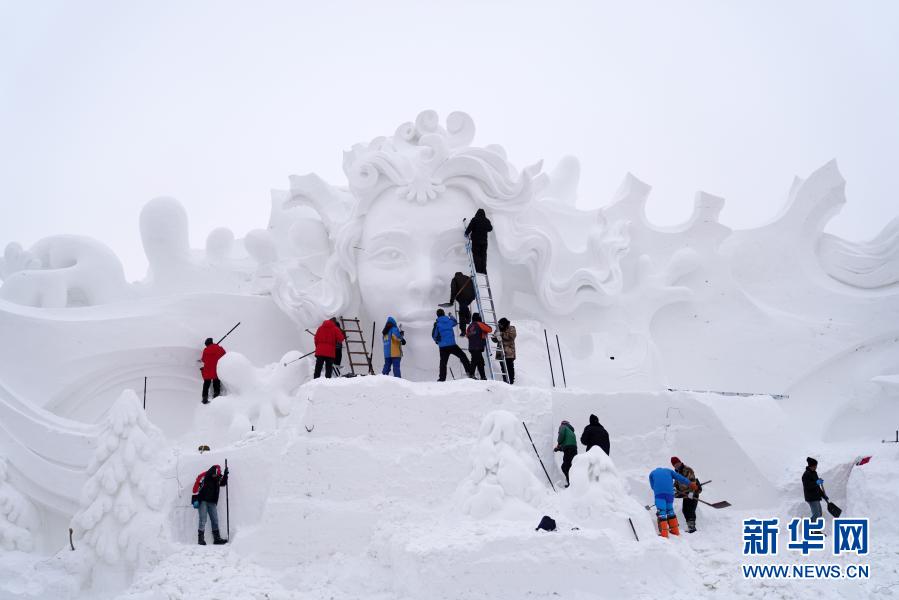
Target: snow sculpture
597 495
62 271
501 478
869 265
122 508
399 231
256 398
18 516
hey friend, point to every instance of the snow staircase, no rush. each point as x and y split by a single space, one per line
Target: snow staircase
355 340
486 308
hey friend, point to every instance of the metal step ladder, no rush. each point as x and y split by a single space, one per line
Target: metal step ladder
484 298
355 340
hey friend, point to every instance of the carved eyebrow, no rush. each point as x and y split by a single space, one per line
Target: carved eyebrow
395 235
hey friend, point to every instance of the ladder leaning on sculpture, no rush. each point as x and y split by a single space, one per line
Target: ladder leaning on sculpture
488 314
356 340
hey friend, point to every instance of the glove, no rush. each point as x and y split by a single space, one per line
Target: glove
226 470
693 486
557 449
196 504
820 482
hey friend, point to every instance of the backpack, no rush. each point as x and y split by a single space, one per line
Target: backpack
435 333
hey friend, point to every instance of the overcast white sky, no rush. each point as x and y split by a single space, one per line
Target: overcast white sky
105 105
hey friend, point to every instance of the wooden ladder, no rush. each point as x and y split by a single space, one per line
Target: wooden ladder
354 340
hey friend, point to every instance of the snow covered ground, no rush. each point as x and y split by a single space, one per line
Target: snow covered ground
382 488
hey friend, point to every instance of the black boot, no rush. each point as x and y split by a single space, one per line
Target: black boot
200 540
217 539
691 526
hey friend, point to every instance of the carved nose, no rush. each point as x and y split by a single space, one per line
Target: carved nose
425 285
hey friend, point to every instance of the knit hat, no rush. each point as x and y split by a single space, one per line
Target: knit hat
811 461
675 461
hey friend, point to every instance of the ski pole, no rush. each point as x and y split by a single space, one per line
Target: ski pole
227 508
145 393
296 359
545 472
309 332
562 363
227 334
549 358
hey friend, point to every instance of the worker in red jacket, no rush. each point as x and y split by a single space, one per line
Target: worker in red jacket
210 359
327 336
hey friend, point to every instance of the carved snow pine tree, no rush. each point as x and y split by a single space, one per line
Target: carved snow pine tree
122 509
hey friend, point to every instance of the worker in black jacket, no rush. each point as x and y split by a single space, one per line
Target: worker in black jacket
811 487
462 291
477 231
595 435
205 499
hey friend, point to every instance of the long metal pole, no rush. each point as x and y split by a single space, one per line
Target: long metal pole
227 508
145 393
545 472
371 353
561 362
296 359
549 358
227 334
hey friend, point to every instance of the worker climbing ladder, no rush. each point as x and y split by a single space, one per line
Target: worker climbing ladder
484 298
355 340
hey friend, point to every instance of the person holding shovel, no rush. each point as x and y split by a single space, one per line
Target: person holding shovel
811 487
690 496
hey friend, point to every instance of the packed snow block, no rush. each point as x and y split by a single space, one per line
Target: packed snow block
504 562
389 410
647 429
322 467
296 532
377 446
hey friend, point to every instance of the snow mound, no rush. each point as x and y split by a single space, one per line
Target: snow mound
502 476
598 496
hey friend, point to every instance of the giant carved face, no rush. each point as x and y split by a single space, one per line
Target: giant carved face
409 253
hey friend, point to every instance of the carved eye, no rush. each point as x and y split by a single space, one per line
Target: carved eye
387 256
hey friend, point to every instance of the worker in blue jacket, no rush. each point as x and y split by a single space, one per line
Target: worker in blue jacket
661 481
444 335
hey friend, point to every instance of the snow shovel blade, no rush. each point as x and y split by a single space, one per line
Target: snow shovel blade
721 504
833 509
